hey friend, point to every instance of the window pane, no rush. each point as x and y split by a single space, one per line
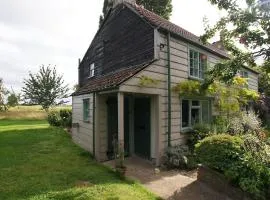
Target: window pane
86 109
195 103
205 111
195 116
185 113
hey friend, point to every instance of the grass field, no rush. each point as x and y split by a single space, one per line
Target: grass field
40 162
26 112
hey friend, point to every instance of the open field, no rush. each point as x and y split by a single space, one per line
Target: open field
26 112
41 162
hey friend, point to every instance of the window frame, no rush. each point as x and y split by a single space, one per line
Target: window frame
201 68
86 102
92 70
190 100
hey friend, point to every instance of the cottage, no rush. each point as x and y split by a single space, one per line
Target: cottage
125 81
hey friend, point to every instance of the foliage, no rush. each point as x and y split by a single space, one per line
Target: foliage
179 157
244 32
188 88
264 78
199 132
243 160
228 98
245 123
3 93
219 151
162 8
262 107
54 118
45 87
13 99
62 117
148 81
45 164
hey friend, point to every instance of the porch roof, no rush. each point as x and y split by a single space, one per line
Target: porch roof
109 81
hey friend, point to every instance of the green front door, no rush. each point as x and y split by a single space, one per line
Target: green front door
142 137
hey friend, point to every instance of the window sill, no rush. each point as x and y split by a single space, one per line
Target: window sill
186 130
86 121
195 78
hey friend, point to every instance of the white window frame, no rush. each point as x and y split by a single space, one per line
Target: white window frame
198 68
92 70
242 73
195 107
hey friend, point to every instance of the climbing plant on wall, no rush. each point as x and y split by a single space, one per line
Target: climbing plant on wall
228 98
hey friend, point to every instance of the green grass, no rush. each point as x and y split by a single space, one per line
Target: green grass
40 162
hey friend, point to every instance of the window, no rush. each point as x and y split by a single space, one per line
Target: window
92 70
86 110
243 74
195 111
197 64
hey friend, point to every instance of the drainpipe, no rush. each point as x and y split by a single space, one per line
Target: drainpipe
94 124
169 89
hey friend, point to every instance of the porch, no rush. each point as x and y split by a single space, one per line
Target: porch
132 120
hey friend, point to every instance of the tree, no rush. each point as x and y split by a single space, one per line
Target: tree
245 34
45 87
3 93
13 99
161 7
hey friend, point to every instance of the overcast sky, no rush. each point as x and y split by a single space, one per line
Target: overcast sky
58 32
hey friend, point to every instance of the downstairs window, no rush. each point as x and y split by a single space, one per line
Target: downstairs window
195 111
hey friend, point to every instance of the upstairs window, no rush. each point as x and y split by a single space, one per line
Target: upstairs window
243 74
197 64
92 70
86 110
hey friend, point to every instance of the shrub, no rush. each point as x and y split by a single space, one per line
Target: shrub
200 131
245 123
179 157
219 151
66 117
54 118
60 118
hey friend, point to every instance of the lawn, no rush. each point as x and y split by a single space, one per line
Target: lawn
41 162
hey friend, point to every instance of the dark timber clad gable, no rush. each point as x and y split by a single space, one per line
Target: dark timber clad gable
124 40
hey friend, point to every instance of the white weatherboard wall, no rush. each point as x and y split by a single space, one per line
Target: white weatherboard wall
83 135
158 70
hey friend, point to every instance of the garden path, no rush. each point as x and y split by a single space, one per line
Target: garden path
171 185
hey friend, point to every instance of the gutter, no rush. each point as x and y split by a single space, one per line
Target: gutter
169 89
94 124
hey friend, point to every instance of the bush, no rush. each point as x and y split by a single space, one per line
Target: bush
179 157
245 123
66 117
54 118
200 131
219 151
244 161
60 118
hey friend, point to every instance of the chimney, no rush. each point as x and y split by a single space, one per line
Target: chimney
116 2
219 45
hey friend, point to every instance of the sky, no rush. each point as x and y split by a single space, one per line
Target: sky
58 32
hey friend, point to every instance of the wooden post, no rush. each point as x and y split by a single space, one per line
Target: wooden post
120 97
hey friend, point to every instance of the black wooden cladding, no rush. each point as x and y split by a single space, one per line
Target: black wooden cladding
124 40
